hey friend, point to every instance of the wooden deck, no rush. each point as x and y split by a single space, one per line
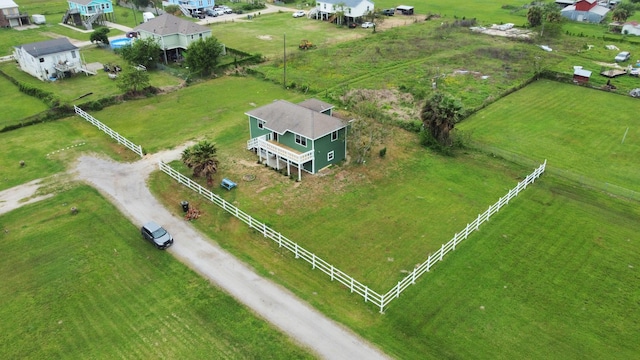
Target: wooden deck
611 73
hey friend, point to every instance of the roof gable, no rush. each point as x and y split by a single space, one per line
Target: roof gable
167 24
8 4
347 3
48 47
87 2
282 116
316 105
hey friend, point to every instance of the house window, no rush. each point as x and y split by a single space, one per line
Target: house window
301 140
191 37
349 10
325 6
200 35
330 155
334 136
260 124
41 59
73 54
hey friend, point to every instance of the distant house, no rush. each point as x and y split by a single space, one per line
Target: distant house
189 6
10 15
87 12
174 35
352 9
48 60
585 10
564 3
305 135
631 28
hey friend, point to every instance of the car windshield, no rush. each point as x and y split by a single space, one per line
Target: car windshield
159 233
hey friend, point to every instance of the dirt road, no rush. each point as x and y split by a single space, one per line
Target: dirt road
124 185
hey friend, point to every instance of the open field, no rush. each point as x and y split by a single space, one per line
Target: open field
576 136
16 105
88 286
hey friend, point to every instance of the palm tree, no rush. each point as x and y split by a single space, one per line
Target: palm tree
201 157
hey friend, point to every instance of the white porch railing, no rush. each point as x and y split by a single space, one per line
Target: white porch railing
119 138
261 142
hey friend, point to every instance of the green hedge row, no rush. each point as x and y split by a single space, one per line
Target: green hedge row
47 97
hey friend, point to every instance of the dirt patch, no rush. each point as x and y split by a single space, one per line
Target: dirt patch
398 20
397 104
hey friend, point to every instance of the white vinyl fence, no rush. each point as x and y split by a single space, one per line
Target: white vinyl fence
119 138
369 295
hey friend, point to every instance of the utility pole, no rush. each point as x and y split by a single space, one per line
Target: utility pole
284 50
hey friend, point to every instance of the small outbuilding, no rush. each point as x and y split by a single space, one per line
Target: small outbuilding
405 10
580 75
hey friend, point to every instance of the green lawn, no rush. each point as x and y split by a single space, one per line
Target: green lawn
553 121
88 286
16 105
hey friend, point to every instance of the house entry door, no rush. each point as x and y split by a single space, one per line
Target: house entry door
274 136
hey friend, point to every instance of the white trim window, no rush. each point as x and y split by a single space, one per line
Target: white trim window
301 140
330 155
334 135
260 124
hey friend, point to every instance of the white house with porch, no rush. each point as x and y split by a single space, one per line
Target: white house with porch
328 9
48 60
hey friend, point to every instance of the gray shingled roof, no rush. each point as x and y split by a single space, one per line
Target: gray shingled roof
316 105
347 3
282 116
87 2
167 24
48 47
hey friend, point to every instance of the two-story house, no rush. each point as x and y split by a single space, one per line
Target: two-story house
305 135
174 35
88 12
350 9
48 60
10 15
187 7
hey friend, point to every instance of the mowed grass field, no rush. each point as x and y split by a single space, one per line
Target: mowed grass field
16 105
88 286
590 135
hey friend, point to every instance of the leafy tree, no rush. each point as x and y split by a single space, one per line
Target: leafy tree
534 16
366 131
133 81
620 15
439 116
141 4
142 52
202 56
201 157
100 35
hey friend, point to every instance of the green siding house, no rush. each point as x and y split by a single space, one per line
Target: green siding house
305 135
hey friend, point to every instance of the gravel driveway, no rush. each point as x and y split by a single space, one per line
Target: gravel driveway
125 186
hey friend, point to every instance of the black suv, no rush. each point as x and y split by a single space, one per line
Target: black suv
388 12
157 235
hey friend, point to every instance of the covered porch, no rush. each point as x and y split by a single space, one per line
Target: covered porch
279 156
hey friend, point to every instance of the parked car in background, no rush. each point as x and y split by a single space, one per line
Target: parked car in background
368 24
226 9
210 12
157 235
219 11
388 12
298 13
623 56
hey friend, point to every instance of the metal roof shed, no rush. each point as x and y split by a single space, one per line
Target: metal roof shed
406 10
